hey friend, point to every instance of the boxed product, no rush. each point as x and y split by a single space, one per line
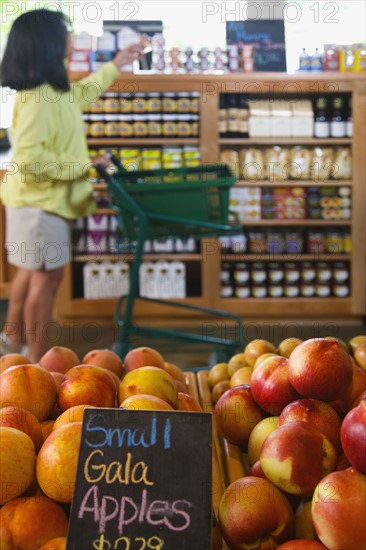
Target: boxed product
259 118
284 203
302 119
246 202
79 62
107 279
178 280
97 222
281 118
147 280
251 164
92 280
96 242
121 279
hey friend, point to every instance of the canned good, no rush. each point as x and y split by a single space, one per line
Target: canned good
316 243
334 242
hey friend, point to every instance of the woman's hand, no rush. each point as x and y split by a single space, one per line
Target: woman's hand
132 53
101 160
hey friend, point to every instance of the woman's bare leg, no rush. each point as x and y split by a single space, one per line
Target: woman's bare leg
14 325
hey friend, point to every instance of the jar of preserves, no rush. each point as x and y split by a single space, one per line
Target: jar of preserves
323 272
153 102
242 290
256 242
169 126
125 126
292 272
308 272
183 102
291 290
340 272
259 273
225 273
140 126
96 126
125 103
227 290
139 103
323 290
154 125
259 290
341 290
334 242
184 125
241 272
307 290
195 102
316 243
194 125
275 290
275 273
111 103
97 106
169 102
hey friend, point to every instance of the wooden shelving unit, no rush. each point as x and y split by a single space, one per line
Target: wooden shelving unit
209 260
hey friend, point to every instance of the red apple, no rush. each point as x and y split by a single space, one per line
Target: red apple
320 368
59 359
237 413
87 385
270 385
253 513
339 510
353 436
143 357
319 414
296 456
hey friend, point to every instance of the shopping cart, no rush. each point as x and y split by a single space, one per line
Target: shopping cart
158 204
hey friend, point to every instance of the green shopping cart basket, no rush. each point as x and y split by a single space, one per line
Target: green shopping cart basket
156 204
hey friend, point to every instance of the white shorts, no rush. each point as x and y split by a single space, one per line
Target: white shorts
37 240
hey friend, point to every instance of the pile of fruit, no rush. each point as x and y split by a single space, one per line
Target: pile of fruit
298 415
41 408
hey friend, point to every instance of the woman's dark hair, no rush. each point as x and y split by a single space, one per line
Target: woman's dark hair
35 51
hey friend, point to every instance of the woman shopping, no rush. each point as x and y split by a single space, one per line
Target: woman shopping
46 185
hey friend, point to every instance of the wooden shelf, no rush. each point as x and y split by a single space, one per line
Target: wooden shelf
284 141
132 142
286 257
293 183
289 223
119 256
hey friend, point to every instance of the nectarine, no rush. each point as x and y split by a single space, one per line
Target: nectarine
59 359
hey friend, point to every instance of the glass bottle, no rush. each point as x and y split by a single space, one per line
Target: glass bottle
321 121
338 121
349 121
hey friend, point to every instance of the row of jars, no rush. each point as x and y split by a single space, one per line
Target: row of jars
149 103
289 279
141 126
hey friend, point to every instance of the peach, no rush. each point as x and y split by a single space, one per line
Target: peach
236 362
256 348
320 368
319 414
270 385
11 360
87 385
175 371
296 456
59 359
339 510
106 359
58 543
143 357
258 435
56 410
31 522
304 527
17 461
253 513
144 402
237 413
356 341
73 414
262 358
360 356
287 346
241 376
23 420
217 373
149 380
219 389
47 427
57 461
186 402
30 387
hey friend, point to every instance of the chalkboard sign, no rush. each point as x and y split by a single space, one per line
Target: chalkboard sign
143 481
267 38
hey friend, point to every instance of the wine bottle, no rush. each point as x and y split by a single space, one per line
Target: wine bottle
349 121
338 121
321 121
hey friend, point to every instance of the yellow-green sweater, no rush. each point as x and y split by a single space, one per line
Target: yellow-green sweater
50 162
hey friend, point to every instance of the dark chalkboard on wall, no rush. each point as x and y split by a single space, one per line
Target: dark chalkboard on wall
143 482
267 38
